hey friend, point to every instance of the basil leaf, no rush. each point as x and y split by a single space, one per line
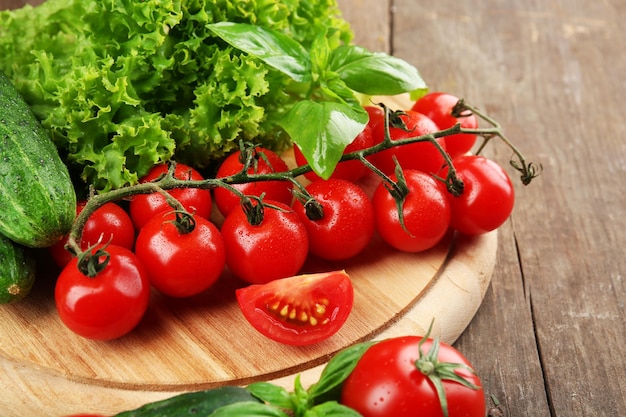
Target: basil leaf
274 48
374 73
331 409
248 409
271 394
322 130
338 369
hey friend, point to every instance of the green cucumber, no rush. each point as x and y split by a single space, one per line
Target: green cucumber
37 197
199 403
17 271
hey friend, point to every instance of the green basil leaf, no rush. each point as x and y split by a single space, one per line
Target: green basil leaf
271 394
322 130
248 409
338 369
331 409
374 73
274 48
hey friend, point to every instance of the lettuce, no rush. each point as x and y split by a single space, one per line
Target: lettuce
123 84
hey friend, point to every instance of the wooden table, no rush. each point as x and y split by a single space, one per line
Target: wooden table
549 338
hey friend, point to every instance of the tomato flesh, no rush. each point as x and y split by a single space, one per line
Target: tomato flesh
299 310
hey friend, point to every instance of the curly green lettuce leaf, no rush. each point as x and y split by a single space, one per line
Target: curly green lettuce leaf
122 85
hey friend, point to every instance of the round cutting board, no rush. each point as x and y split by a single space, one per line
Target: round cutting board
204 341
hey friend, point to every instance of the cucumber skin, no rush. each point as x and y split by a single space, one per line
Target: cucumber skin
37 197
200 403
17 271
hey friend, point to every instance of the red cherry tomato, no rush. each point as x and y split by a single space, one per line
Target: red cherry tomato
423 156
348 170
387 382
376 123
300 310
264 162
275 248
195 200
181 263
108 305
347 224
488 195
108 224
426 212
438 106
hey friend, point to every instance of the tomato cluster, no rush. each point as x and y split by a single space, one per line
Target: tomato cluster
268 228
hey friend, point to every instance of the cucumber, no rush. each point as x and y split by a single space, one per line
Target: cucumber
37 197
199 403
17 271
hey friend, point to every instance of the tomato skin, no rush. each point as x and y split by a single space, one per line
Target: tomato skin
275 248
426 212
386 382
279 191
181 265
109 223
327 297
423 156
487 199
195 200
438 106
107 306
352 170
348 223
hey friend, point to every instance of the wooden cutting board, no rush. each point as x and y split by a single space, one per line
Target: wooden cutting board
205 342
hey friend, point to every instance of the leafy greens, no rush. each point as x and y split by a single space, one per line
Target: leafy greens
122 85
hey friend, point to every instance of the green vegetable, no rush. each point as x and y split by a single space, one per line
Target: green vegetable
37 198
330 116
121 85
201 403
17 271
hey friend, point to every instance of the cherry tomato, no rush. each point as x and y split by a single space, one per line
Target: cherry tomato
299 310
274 248
387 382
488 195
352 170
109 223
195 200
423 156
347 222
426 212
181 263
438 106
264 162
108 305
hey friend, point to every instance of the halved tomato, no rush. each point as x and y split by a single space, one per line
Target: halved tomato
299 310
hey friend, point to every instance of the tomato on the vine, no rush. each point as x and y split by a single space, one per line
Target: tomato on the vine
195 200
438 106
352 170
488 195
390 379
183 255
299 310
263 161
269 245
342 224
107 224
425 209
423 156
108 305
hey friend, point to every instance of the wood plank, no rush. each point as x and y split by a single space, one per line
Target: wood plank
372 22
550 72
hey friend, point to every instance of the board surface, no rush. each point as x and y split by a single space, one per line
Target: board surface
204 341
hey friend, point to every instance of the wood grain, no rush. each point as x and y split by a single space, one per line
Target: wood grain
203 341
